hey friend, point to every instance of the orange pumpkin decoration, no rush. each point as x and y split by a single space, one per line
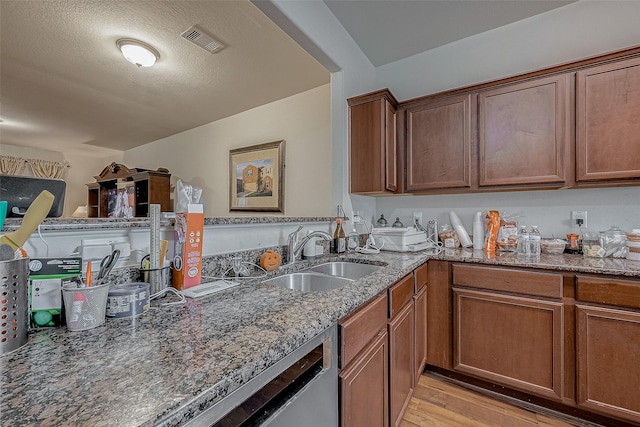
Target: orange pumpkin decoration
270 260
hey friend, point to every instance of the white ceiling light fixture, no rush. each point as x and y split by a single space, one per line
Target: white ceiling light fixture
137 52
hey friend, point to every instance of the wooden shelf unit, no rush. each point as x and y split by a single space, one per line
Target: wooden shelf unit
149 187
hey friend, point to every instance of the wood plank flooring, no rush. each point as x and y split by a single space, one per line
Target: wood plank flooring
439 403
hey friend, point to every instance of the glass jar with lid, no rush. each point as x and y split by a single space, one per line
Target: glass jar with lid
592 244
614 242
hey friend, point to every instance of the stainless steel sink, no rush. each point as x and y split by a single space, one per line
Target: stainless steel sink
348 270
309 282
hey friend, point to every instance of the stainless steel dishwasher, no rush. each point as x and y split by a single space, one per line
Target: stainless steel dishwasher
299 390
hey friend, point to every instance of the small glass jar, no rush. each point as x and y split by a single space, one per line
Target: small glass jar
592 245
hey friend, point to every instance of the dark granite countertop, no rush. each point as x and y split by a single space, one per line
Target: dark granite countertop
173 362
79 224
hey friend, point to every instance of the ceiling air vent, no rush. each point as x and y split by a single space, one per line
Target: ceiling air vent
197 36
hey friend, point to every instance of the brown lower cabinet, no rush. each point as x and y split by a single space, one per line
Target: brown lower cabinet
401 365
608 362
364 387
379 360
510 340
608 346
420 322
565 341
508 328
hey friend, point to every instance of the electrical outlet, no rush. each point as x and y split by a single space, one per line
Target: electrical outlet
417 218
578 219
356 217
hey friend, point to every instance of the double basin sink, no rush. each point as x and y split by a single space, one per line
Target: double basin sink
324 277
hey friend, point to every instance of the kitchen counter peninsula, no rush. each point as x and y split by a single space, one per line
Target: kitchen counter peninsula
174 362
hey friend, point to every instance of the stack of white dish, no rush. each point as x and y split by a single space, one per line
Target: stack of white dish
633 245
401 239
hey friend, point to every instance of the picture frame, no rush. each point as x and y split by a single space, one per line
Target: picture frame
256 178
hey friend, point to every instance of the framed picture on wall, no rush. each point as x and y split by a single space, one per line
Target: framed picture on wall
256 178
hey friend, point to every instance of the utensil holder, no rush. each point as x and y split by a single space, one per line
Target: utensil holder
85 307
14 304
158 279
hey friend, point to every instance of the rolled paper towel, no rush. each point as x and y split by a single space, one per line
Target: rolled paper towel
463 236
478 232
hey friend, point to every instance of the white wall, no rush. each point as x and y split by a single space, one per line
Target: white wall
575 31
312 25
200 156
549 210
578 30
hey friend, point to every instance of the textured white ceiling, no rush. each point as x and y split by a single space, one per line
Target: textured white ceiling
64 84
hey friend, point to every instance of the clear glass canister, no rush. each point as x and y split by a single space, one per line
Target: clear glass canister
614 242
592 244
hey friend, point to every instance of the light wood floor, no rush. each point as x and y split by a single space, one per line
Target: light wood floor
438 403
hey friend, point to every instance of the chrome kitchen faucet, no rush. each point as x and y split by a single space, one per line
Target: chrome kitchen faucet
295 247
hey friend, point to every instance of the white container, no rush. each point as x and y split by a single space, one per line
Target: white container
478 232
463 236
633 256
401 239
312 249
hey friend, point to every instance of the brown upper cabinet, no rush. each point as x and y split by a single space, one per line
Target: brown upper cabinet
438 146
523 133
571 125
607 120
373 153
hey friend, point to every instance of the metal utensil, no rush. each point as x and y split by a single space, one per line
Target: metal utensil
107 264
6 253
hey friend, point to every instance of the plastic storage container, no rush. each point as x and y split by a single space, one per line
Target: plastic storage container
552 246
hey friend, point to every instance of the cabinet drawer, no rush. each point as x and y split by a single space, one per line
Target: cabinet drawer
421 277
624 293
360 327
509 280
400 294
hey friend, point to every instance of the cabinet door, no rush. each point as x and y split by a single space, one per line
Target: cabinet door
608 361
364 386
391 149
401 364
523 133
510 340
607 125
420 322
439 315
372 143
439 144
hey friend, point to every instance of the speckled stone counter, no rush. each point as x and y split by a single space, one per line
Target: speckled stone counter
574 263
59 224
174 362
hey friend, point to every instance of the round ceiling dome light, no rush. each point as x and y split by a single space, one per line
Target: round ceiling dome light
137 52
